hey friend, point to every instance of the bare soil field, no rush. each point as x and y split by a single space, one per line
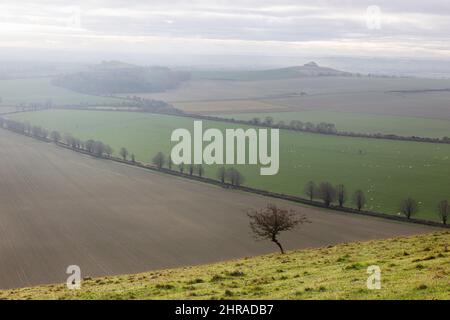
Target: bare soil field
60 208
386 96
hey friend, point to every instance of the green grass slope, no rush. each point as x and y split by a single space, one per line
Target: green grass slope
415 267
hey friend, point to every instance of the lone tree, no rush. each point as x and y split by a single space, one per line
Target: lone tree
123 153
158 160
269 222
221 174
409 207
444 211
341 194
327 193
359 199
311 190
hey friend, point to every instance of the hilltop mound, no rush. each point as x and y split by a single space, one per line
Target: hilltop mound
310 69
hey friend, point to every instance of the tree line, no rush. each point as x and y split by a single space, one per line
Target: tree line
322 128
330 194
229 175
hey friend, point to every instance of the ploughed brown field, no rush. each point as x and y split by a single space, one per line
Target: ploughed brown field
60 208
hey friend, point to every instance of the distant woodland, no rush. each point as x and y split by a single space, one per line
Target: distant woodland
116 77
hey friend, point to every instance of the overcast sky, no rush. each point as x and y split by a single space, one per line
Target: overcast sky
279 27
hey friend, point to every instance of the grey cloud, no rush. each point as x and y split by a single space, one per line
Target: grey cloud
414 21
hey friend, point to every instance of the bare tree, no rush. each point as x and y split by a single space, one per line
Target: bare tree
341 194
444 211
256 121
159 160
311 190
169 162
359 199
221 174
200 170
268 121
409 207
55 136
327 193
68 139
123 153
235 177
269 222
89 145
98 148
108 150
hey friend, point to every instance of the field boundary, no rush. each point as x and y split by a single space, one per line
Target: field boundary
226 185
378 136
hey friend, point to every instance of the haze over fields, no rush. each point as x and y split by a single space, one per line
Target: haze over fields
91 93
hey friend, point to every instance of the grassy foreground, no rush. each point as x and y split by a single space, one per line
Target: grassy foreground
416 267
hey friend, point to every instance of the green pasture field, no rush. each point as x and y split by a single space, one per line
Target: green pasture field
387 171
39 90
360 122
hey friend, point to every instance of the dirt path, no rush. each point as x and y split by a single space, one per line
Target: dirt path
59 208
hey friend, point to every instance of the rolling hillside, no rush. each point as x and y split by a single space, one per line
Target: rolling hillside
310 69
415 267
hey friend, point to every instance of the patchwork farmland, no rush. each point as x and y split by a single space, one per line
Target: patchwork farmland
387 171
59 207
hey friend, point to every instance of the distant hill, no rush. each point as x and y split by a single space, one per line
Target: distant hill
310 69
112 77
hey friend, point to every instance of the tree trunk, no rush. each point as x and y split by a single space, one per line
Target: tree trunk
279 245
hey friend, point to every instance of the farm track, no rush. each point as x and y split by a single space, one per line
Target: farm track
59 208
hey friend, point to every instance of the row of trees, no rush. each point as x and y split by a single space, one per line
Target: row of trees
322 127
95 147
230 175
330 194
409 207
